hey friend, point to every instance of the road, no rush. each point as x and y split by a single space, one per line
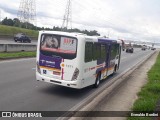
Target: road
19 91
11 41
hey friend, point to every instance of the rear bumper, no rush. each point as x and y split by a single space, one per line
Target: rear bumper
72 84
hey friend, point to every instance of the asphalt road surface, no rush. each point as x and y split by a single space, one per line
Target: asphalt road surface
11 41
19 90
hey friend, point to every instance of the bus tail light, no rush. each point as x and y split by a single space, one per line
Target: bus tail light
75 74
38 68
56 73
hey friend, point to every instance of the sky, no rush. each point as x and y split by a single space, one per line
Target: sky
137 20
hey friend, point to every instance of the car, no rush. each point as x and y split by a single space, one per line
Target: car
18 35
21 37
153 48
129 50
144 47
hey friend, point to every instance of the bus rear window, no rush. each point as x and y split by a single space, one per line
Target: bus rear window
60 46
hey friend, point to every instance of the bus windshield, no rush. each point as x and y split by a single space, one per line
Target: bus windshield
58 46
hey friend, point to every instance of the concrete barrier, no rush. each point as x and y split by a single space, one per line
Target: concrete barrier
2 47
17 47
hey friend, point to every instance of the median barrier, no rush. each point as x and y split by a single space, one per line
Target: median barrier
2 47
17 47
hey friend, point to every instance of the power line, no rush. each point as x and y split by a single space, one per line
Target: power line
67 16
27 11
0 17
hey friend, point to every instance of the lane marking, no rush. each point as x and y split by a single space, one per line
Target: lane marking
123 58
33 68
16 60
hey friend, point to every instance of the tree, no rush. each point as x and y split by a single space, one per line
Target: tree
94 32
10 22
16 22
4 21
7 21
56 28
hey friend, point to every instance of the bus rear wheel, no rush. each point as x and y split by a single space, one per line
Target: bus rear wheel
115 70
97 81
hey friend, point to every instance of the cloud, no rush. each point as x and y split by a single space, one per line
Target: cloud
8 10
130 19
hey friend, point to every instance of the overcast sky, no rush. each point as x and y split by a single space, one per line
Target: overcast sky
126 19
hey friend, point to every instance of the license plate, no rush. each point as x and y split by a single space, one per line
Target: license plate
44 71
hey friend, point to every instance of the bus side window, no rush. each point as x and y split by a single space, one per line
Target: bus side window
113 51
88 51
103 51
118 49
96 51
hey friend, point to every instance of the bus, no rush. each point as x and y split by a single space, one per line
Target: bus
75 60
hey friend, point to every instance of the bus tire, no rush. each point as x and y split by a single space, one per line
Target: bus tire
115 69
97 81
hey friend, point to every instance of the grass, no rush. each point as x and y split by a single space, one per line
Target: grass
150 93
10 31
17 55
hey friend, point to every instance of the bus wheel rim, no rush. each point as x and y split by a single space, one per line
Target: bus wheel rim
98 81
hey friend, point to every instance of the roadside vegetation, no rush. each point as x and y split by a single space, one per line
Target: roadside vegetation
12 55
17 26
150 93
11 31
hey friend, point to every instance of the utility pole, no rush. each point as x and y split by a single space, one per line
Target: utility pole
153 44
67 19
27 12
0 17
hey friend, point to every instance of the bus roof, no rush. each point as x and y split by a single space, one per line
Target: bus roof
62 33
87 38
107 40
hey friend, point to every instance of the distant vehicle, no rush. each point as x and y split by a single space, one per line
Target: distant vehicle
18 35
75 60
153 48
129 49
144 47
21 37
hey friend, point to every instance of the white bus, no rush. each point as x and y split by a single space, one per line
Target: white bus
75 60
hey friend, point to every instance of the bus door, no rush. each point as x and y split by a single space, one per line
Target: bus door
101 52
119 53
112 56
108 49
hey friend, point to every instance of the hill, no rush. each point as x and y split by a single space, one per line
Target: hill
9 31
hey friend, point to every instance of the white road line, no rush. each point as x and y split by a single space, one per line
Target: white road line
33 68
16 60
123 58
